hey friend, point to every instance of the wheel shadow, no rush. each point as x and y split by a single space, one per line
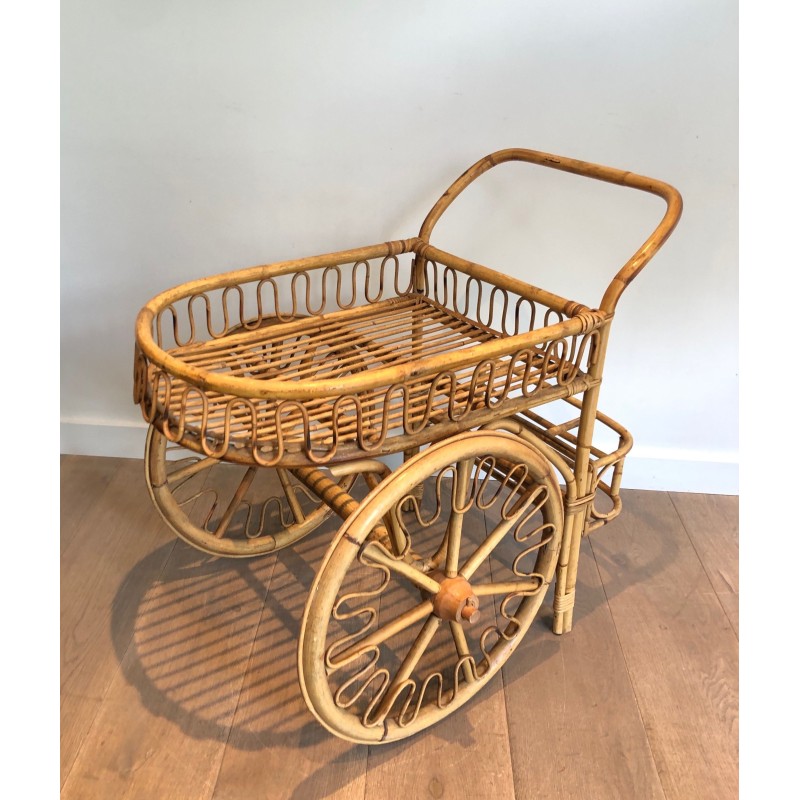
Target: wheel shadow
208 632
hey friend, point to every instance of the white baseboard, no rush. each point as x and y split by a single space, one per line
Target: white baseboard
661 469
119 439
674 472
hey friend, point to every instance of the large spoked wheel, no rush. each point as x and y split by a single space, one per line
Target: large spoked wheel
227 509
418 603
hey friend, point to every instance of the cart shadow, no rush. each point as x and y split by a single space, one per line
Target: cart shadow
210 645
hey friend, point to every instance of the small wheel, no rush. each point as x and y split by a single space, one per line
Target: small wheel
419 603
228 509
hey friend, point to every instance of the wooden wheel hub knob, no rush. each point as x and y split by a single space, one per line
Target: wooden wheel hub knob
455 600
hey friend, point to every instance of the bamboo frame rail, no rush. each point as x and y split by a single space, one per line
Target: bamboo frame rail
636 263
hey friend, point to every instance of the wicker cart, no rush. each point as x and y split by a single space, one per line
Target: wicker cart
272 394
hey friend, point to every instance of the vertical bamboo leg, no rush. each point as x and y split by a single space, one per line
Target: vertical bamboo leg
564 601
396 535
416 491
566 579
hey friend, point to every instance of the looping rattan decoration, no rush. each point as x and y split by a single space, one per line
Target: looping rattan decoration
396 326
491 307
257 516
604 468
368 686
280 299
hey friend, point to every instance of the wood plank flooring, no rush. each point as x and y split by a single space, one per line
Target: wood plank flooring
178 675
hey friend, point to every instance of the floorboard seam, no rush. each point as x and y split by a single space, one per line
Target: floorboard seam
76 526
702 564
508 730
89 729
628 671
245 673
366 770
503 686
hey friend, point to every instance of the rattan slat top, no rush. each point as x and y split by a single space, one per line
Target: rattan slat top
395 331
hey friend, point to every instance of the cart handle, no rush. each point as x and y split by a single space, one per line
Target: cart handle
638 260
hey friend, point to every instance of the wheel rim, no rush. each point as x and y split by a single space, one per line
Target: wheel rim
385 646
227 509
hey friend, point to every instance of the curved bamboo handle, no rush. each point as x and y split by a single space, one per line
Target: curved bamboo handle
637 261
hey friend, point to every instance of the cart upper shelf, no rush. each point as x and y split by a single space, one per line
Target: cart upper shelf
318 373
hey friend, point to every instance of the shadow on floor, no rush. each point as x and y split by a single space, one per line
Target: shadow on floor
210 644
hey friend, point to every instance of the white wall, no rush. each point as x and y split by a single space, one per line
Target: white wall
203 136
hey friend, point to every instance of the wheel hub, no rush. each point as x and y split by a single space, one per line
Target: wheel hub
455 601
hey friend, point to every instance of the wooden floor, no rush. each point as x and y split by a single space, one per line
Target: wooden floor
178 672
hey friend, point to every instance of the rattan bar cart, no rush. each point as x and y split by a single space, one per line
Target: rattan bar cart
273 392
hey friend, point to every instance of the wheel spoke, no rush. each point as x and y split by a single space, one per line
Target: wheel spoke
456 522
378 554
191 469
496 536
462 648
379 636
291 497
410 661
235 501
193 499
507 587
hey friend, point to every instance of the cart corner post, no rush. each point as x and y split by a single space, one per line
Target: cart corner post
578 510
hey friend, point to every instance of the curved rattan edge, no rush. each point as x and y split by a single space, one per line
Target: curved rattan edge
507 282
638 260
387 376
204 380
584 321
273 270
